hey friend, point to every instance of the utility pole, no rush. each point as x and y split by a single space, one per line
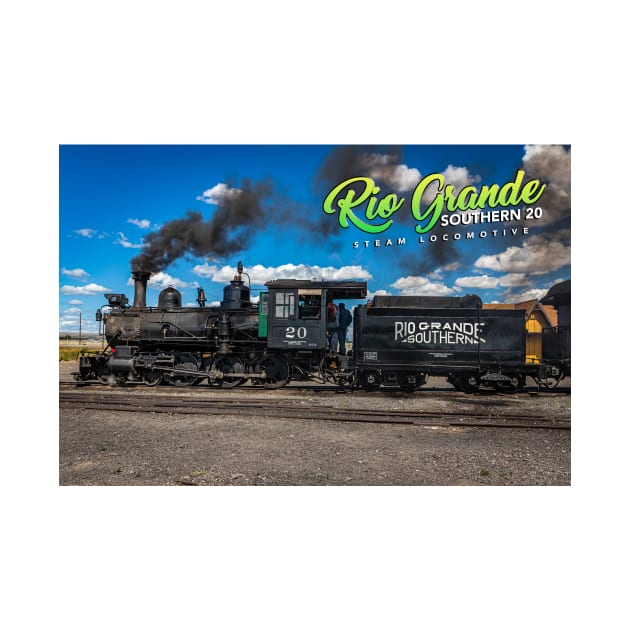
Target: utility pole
79 327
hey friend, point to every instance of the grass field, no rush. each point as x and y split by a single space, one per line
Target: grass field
70 349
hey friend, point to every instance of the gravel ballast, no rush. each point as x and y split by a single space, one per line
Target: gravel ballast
99 447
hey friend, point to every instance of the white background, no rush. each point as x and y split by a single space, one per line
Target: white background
331 72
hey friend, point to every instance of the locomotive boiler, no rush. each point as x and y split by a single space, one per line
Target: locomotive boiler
172 343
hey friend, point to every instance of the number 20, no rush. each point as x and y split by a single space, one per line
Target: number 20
290 332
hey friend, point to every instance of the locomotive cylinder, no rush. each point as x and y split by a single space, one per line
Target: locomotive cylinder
121 366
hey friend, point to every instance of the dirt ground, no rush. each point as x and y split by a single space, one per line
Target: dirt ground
163 449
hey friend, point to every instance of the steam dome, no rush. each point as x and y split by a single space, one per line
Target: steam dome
170 298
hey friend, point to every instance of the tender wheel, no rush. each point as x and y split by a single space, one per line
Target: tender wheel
229 365
408 382
549 383
276 369
464 383
515 383
370 380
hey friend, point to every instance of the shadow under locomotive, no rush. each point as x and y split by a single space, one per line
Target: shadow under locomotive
397 343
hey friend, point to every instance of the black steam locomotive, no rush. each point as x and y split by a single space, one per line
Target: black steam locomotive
397 341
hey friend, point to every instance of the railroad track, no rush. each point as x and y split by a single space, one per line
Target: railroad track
296 386
298 410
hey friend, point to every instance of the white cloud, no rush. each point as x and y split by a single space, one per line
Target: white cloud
523 296
210 271
143 224
75 273
162 280
539 255
457 176
254 299
75 302
515 280
218 193
477 282
551 164
451 266
68 323
402 178
86 232
88 289
438 273
259 274
382 168
71 323
125 242
419 285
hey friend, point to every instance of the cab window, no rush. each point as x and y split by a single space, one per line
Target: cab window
309 303
285 304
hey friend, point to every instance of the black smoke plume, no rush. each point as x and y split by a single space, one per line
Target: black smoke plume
238 215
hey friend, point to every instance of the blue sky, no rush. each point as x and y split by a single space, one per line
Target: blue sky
113 197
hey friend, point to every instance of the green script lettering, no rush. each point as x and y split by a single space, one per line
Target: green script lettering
345 198
510 194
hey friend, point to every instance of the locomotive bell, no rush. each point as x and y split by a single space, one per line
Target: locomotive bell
170 298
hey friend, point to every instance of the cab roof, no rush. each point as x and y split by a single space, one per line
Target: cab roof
350 290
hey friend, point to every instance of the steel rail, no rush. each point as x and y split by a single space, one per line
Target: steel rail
317 412
248 389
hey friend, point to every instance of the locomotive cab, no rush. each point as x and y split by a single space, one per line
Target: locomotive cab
296 318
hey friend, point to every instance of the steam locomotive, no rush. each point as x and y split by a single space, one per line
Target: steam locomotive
398 341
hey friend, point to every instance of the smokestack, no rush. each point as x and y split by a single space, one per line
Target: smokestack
140 296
